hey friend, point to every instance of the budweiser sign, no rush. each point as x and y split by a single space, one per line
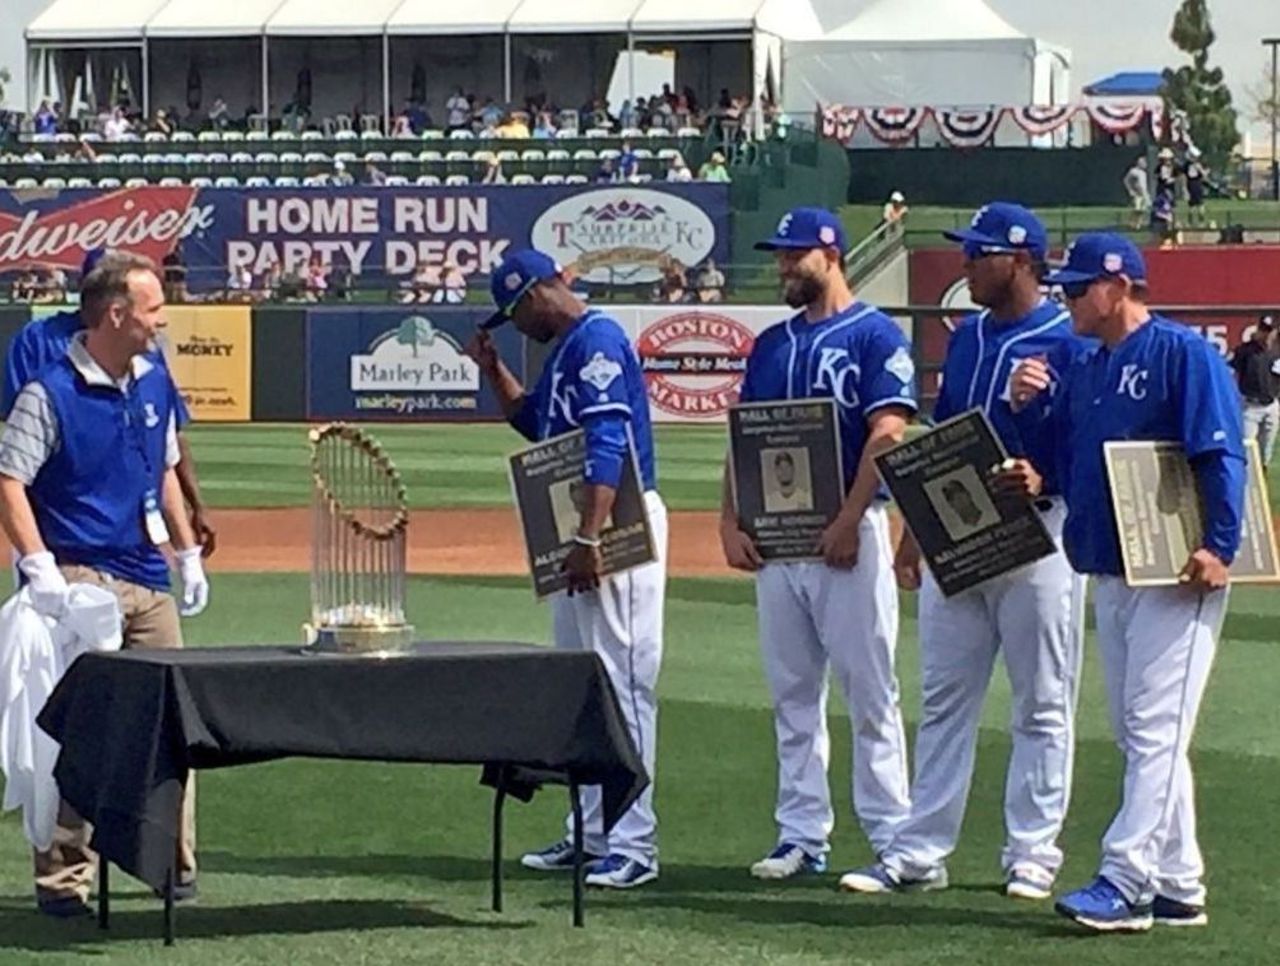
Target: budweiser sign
146 221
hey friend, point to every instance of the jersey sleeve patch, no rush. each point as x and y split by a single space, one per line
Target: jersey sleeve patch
900 365
600 372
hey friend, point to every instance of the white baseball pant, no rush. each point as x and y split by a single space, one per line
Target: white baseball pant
1157 646
1263 424
812 616
1035 618
622 622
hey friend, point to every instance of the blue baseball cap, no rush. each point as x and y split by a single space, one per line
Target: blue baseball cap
91 259
519 272
1003 227
806 228
1100 254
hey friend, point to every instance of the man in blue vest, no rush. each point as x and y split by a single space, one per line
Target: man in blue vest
44 341
89 494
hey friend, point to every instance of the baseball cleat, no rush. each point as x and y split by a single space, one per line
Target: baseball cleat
880 878
554 858
619 872
1102 907
787 860
1028 882
1171 912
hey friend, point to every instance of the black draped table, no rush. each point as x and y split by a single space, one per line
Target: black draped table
133 723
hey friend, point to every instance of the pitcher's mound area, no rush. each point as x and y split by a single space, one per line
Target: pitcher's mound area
459 541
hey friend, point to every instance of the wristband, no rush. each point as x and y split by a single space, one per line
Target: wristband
592 542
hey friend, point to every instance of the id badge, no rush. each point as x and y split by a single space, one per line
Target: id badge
157 532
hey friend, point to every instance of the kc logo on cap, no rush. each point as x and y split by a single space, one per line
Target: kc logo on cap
1017 234
784 226
512 281
1112 262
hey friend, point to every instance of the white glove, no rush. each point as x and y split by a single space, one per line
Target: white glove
45 583
195 585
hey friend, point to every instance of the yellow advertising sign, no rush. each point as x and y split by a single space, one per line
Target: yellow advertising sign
209 352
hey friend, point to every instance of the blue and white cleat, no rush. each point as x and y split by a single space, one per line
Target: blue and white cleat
619 872
1171 912
1102 907
554 858
788 860
880 878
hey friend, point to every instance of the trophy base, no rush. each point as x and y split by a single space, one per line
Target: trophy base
367 640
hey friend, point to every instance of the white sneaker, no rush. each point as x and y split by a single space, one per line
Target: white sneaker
878 877
786 861
1028 881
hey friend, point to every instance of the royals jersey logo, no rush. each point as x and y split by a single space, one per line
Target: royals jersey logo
838 375
600 372
1133 383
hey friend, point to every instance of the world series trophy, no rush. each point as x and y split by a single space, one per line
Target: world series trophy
360 522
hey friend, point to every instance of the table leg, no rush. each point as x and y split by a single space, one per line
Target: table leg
575 799
104 894
499 799
168 905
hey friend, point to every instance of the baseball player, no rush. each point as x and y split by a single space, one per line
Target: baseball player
42 342
592 381
840 610
1151 379
1033 616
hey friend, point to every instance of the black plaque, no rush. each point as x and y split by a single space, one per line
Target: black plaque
546 479
786 471
968 533
1160 519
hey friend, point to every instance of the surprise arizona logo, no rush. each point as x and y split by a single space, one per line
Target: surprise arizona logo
621 234
693 362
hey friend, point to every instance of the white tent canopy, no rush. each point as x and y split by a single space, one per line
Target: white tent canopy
203 18
432 17
919 52
96 20
342 18
572 16
784 18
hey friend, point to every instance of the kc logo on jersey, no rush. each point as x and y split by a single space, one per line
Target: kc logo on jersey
562 399
1133 383
838 375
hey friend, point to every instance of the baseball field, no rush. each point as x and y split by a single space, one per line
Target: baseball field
327 862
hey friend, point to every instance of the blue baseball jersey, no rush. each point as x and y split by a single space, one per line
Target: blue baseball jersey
42 342
592 381
1162 382
858 357
981 356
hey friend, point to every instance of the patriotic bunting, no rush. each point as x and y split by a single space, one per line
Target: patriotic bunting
967 129
893 125
1041 119
1116 118
839 122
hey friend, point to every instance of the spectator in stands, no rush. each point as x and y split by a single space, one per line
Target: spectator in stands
514 127
454 290
661 112
46 120
340 279
1163 222
268 286
292 286
895 211
1166 174
545 129
341 176
1135 185
627 115
600 116
416 114
678 171
628 164
174 276
117 125
160 123
672 286
424 283
373 176
219 116
317 278
1196 176
458 111
24 287
491 114
239 283
710 283
493 172
607 173
714 170
56 285
85 152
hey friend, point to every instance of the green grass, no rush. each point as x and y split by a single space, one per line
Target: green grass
329 862
925 222
443 465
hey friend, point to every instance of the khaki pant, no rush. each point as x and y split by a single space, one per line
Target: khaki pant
67 869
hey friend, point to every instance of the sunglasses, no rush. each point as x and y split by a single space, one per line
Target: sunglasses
1075 290
975 253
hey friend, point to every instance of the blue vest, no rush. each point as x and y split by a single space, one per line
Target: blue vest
89 496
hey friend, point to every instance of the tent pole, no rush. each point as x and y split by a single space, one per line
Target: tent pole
506 68
146 79
386 81
631 67
264 108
